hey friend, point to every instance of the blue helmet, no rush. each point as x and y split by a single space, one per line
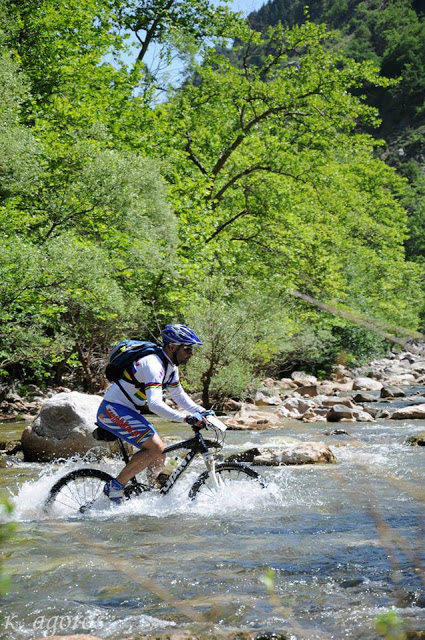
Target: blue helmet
179 334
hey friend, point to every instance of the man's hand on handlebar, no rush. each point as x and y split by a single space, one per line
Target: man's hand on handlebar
198 419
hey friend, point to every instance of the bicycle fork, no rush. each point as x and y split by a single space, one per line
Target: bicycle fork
210 465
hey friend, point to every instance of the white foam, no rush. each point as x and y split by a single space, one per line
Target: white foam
31 495
284 488
129 626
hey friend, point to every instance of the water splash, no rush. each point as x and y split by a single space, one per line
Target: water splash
284 488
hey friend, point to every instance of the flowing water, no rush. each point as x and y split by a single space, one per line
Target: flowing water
320 553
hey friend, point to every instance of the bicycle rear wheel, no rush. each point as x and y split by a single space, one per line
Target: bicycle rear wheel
76 492
229 474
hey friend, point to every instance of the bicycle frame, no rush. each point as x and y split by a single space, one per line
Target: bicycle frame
195 445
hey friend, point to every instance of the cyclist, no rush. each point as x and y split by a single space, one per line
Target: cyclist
119 412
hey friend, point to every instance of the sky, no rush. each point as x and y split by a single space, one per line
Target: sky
246 6
173 72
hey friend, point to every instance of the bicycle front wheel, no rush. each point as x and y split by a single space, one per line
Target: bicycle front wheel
228 474
76 492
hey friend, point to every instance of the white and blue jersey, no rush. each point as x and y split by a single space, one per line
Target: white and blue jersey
118 413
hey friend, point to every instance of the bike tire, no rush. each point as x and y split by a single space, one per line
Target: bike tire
77 491
228 472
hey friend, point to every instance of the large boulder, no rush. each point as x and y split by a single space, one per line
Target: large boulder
249 417
73 637
298 404
414 412
291 453
63 428
329 388
282 383
341 374
339 412
363 383
404 379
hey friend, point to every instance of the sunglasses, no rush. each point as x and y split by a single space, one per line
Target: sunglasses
186 349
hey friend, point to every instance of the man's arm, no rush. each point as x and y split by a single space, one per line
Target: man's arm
180 397
157 405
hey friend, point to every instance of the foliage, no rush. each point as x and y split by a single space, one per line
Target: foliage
392 35
86 229
179 26
241 333
390 627
251 178
270 178
7 528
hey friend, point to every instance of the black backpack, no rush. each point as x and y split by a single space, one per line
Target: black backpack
123 354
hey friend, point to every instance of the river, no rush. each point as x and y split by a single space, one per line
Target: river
320 553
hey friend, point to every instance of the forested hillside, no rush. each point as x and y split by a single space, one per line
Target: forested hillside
256 176
391 33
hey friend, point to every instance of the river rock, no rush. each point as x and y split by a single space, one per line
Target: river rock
283 412
63 428
294 407
340 373
302 379
365 397
353 414
294 454
281 383
80 636
336 432
388 391
291 453
418 366
380 414
298 404
328 388
232 405
340 412
351 582
414 412
404 379
363 416
249 417
310 390
417 440
366 384
332 401
262 399
10 447
315 414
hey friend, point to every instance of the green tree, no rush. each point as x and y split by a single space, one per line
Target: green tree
7 529
87 233
242 327
261 156
173 28
19 149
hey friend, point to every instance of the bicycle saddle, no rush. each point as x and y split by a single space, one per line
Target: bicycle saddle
104 434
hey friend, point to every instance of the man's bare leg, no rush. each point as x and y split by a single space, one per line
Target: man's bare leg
151 454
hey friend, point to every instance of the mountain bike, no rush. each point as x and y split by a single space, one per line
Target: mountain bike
77 491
